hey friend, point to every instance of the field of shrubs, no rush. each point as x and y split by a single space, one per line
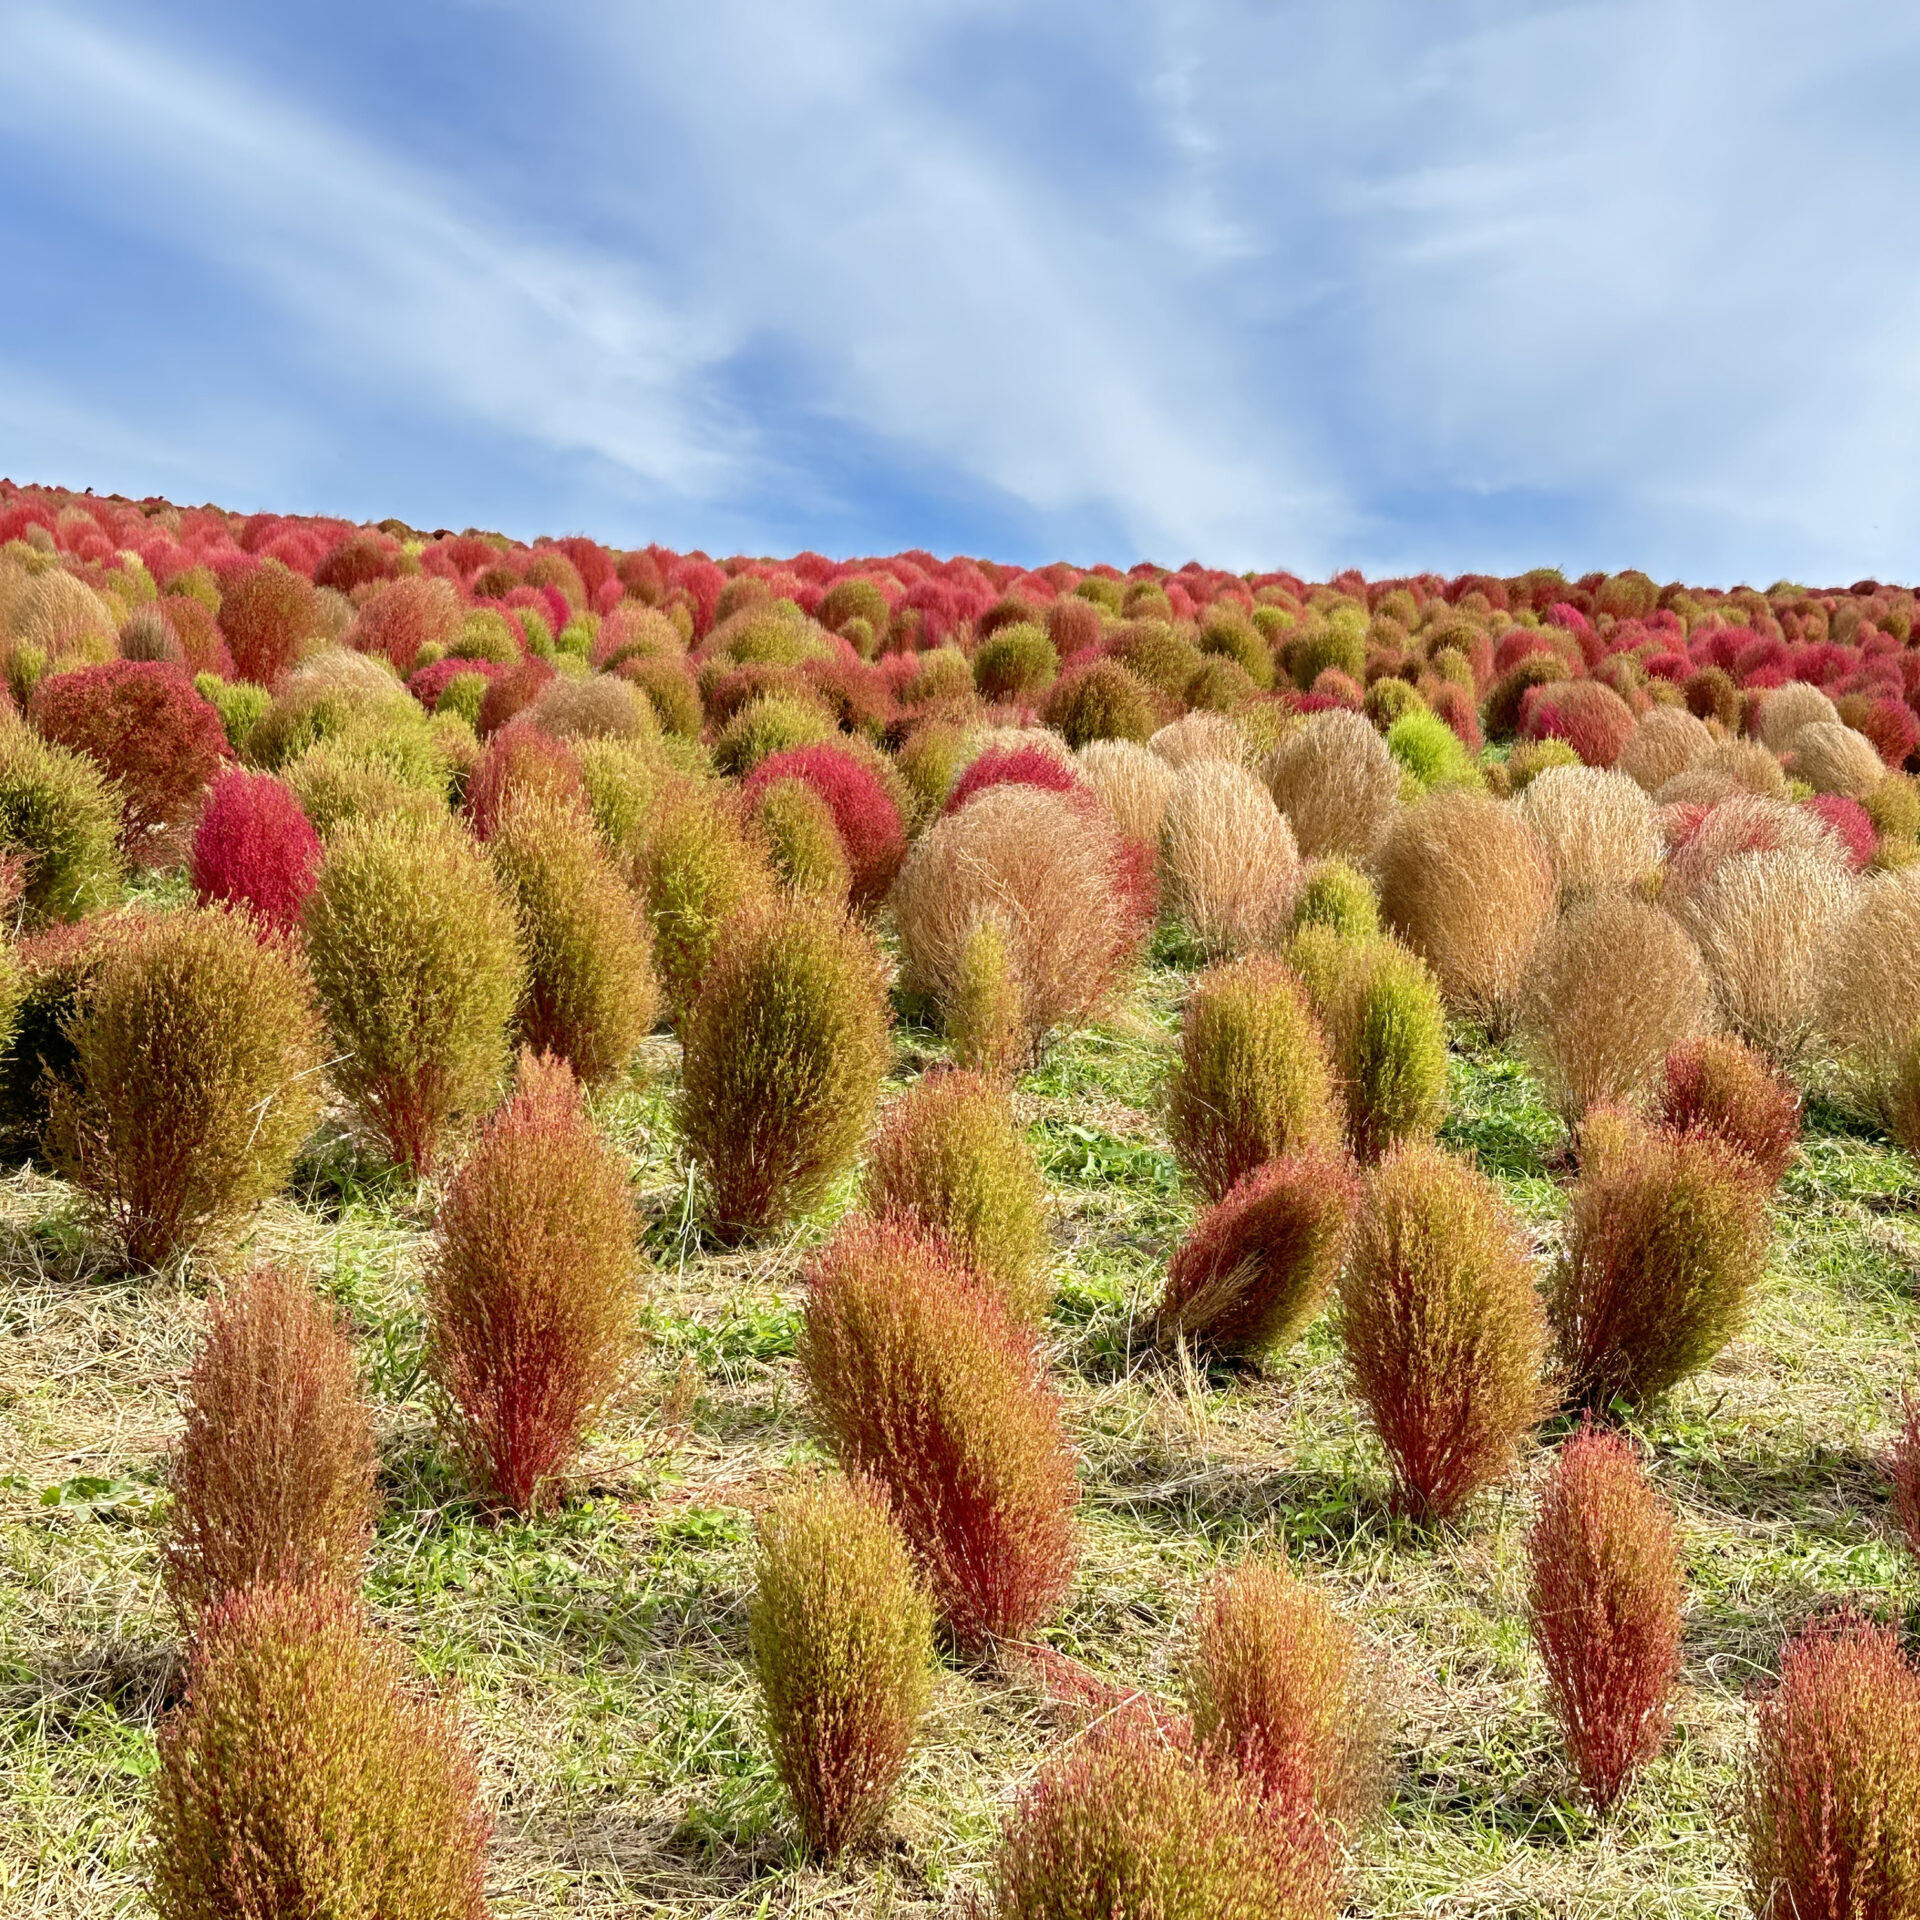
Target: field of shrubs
907 1237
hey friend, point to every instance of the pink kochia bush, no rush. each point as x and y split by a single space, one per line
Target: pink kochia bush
255 848
920 1380
1604 1604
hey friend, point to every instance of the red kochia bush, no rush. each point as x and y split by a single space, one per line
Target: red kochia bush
1260 1263
273 1477
1604 1604
307 1774
521 758
142 723
266 612
255 848
533 1299
1019 766
921 1381
512 692
1587 714
869 822
1833 1790
1719 1088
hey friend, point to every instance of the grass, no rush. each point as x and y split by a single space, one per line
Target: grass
599 1652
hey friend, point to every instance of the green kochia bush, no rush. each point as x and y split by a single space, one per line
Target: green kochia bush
782 1055
60 812
1253 1080
416 954
1335 894
1015 663
803 841
195 1079
842 1638
1666 1242
306 1773
590 994
951 1158
699 869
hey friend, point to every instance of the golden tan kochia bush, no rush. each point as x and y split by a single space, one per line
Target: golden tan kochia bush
272 1478
1443 1330
1765 924
1280 1688
1135 785
533 1298
590 996
1742 822
1616 985
1667 742
950 1158
1228 865
1870 1004
1599 829
842 1638
416 953
1336 782
1198 736
1467 884
1045 867
307 1773
1253 1081
781 1060
195 1078
1831 758
1785 710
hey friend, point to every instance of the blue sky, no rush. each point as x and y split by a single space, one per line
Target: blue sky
1396 285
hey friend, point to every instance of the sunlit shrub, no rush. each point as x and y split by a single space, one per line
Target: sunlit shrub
1253 1081
267 613
1133 784
950 1158
1719 1088
596 707
1785 710
782 1054
417 959
326 697
1666 1242
1599 829
1832 1793
1604 1600
1615 986
1260 1263
698 869
1386 1033
1869 1008
255 848
306 1772
1100 701
1198 736
1228 865
1466 882
919 1379
1012 766
405 616
194 1082
842 1639
1667 741
1831 758
772 724
1431 752
1588 715
1336 781
1015 663
1442 1328
802 841
865 814
532 1296
60 812
272 1478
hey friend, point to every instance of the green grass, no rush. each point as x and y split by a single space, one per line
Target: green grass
599 1653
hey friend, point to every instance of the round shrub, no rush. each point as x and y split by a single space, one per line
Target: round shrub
1226 635
1015 663
417 959
1339 785
195 1080
1442 1328
1011 766
1715 1087
43 981
334 782
1386 1034
698 869
1869 1016
1599 829
1530 759
1100 701
532 1315
1337 895
864 813
143 725
1466 882
331 695
58 809
1615 986
1280 1690
1155 654
1228 865
255 848
1431 751
520 759
1220 687
1508 695
267 612
842 1638
1604 1599
920 1380
1133 784
802 841
306 1772
406 615
1666 1242
597 707
1253 1081
1587 714
782 1056
1787 709
272 1478
950 1160
670 690
1259 1264
240 705
1198 736
773 724
1667 741
1831 758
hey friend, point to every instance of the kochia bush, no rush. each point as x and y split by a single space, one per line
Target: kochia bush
58 809
842 1638
868 820
273 1476
919 1379
1229 867
532 1296
306 1773
782 1055
255 848
1719 1088
1604 1602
